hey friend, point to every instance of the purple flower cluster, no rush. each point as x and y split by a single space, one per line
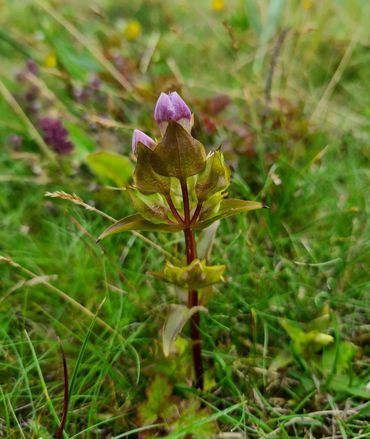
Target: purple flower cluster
56 136
34 104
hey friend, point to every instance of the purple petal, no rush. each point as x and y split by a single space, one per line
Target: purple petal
140 137
181 110
171 107
163 109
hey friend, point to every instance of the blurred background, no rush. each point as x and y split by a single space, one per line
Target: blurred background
283 86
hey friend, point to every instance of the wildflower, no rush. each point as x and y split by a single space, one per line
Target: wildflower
218 5
166 198
29 68
32 67
56 136
81 94
132 30
50 61
94 82
171 107
15 140
140 137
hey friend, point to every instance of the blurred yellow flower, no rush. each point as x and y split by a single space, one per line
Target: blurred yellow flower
218 5
132 30
50 61
307 4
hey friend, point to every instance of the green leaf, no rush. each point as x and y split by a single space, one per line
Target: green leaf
351 385
228 207
305 341
136 222
152 207
211 206
145 178
321 323
214 178
178 154
194 276
282 359
158 401
82 141
175 321
206 240
110 166
77 64
338 358
194 422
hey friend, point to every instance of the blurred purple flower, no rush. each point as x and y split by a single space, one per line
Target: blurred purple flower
20 76
15 140
32 67
56 136
81 94
171 107
95 82
140 137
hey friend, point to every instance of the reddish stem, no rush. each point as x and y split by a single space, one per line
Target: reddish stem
196 213
173 209
191 254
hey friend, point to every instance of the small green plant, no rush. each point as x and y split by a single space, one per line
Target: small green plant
177 187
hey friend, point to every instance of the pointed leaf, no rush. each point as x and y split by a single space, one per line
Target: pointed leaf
228 207
110 166
206 240
178 154
214 178
146 179
175 321
153 207
136 222
211 206
194 276
158 401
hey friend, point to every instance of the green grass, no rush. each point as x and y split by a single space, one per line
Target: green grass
305 258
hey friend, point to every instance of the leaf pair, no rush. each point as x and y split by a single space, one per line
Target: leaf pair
228 207
196 275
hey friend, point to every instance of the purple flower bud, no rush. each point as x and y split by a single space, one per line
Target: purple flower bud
56 136
81 94
140 137
95 82
32 67
171 107
20 76
16 141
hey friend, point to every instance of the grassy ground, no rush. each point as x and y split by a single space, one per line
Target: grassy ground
286 338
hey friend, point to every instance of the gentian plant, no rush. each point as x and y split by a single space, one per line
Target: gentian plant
177 187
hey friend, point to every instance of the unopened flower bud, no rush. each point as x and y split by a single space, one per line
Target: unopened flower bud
171 107
32 67
140 137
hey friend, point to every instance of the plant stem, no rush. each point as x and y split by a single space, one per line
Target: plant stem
174 211
196 213
191 254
